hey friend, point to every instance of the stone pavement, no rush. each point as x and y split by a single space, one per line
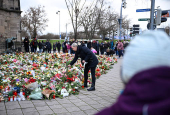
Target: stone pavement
108 87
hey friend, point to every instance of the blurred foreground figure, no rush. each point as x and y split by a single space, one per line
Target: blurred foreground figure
146 74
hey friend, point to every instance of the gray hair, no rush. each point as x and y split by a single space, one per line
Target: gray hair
74 45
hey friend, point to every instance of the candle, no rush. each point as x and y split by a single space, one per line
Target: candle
53 96
15 99
9 98
15 93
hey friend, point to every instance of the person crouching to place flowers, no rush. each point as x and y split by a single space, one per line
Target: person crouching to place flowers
88 58
146 75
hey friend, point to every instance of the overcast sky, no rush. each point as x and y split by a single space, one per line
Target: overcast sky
52 6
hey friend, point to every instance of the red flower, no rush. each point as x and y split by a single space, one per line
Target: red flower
73 89
32 80
83 87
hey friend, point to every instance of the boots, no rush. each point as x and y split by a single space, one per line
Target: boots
85 85
92 88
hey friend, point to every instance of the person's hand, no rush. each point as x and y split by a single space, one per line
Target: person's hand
83 61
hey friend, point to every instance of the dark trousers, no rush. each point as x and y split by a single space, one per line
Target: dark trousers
97 52
63 50
26 48
102 52
58 50
86 70
49 50
120 53
34 49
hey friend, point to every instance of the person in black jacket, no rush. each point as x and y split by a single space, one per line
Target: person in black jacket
97 47
58 46
54 47
87 58
102 48
40 46
89 44
26 44
48 46
34 44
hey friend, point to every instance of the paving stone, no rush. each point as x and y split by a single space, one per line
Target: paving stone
76 101
26 105
42 108
1 104
2 108
53 102
80 104
90 111
92 102
60 110
64 114
40 104
27 110
14 112
46 112
25 102
97 106
16 106
55 106
64 101
32 113
72 109
68 105
3 112
12 103
78 113
86 107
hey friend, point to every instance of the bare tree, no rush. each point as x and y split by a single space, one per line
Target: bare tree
74 8
90 17
34 20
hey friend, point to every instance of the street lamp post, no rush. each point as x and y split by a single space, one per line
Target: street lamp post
59 24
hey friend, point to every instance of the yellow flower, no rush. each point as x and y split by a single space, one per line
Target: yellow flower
17 84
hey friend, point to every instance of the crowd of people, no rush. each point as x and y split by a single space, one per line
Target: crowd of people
107 48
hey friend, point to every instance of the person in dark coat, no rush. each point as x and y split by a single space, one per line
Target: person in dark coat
26 44
87 58
43 46
48 46
89 44
97 47
117 53
58 46
102 48
105 46
54 47
63 47
40 46
94 45
33 45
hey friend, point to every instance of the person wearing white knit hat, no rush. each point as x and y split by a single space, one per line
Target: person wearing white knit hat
146 74
151 49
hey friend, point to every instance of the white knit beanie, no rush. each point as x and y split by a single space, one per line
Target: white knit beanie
148 50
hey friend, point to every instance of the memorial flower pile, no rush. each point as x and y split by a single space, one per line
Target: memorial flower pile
44 76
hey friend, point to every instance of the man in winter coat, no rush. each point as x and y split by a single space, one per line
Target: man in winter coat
58 46
48 46
87 58
89 44
26 44
146 75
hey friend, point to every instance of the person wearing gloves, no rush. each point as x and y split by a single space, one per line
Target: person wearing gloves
88 57
146 74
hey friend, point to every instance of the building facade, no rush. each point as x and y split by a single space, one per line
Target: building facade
10 16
